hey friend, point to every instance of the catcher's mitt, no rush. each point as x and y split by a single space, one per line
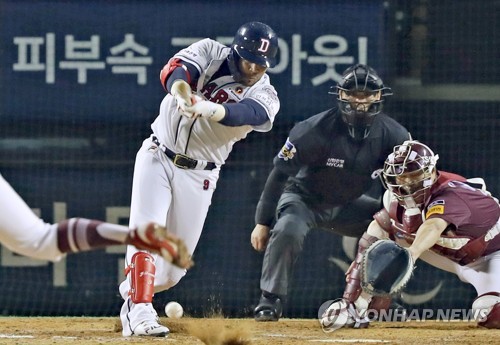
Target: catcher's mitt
386 268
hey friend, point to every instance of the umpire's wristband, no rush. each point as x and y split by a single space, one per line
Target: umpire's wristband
264 213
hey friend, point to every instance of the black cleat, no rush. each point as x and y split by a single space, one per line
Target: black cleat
269 309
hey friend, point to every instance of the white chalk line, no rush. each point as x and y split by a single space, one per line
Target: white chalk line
14 336
308 338
313 339
117 339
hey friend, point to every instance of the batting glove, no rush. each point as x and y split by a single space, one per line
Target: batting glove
183 96
207 109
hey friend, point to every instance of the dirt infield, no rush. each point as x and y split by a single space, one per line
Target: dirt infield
219 331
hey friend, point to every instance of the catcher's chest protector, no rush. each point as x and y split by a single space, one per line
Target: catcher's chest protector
460 249
404 223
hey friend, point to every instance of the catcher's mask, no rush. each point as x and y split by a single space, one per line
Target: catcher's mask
360 95
256 43
409 173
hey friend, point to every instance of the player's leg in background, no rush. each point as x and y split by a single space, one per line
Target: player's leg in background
25 233
22 231
81 234
294 221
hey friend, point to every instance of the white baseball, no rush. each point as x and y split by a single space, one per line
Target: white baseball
174 310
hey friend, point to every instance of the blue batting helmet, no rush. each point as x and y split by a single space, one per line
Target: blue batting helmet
257 43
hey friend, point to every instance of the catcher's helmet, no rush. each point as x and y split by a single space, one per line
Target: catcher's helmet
360 95
257 43
409 173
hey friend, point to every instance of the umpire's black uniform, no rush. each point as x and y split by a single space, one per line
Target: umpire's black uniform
328 176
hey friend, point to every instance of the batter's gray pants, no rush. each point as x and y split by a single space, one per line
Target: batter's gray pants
294 221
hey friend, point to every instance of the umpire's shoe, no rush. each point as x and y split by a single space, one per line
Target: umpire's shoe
269 308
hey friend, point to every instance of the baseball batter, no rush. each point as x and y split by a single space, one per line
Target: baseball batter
443 219
216 96
25 233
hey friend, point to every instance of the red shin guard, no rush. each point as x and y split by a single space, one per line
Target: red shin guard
142 277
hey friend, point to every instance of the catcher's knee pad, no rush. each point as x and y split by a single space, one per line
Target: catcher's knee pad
488 307
142 277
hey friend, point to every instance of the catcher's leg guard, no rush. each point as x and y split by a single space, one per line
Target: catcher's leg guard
142 277
488 306
379 303
353 286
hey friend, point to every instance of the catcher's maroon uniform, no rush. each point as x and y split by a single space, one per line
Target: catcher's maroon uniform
471 241
472 213
467 244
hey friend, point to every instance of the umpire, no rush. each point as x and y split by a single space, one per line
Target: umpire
322 179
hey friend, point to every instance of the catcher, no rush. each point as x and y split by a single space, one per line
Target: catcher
439 217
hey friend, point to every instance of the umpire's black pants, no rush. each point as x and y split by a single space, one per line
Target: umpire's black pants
294 220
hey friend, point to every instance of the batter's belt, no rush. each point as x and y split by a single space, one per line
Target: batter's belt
182 161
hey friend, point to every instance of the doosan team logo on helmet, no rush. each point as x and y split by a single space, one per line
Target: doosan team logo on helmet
257 43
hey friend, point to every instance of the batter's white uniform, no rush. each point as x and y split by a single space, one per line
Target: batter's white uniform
164 193
22 231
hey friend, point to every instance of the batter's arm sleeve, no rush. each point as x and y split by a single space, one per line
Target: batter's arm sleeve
246 112
266 207
266 97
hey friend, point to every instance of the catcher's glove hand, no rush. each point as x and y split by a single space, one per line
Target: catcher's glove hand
386 268
156 238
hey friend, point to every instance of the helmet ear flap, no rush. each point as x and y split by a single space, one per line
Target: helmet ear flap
233 63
